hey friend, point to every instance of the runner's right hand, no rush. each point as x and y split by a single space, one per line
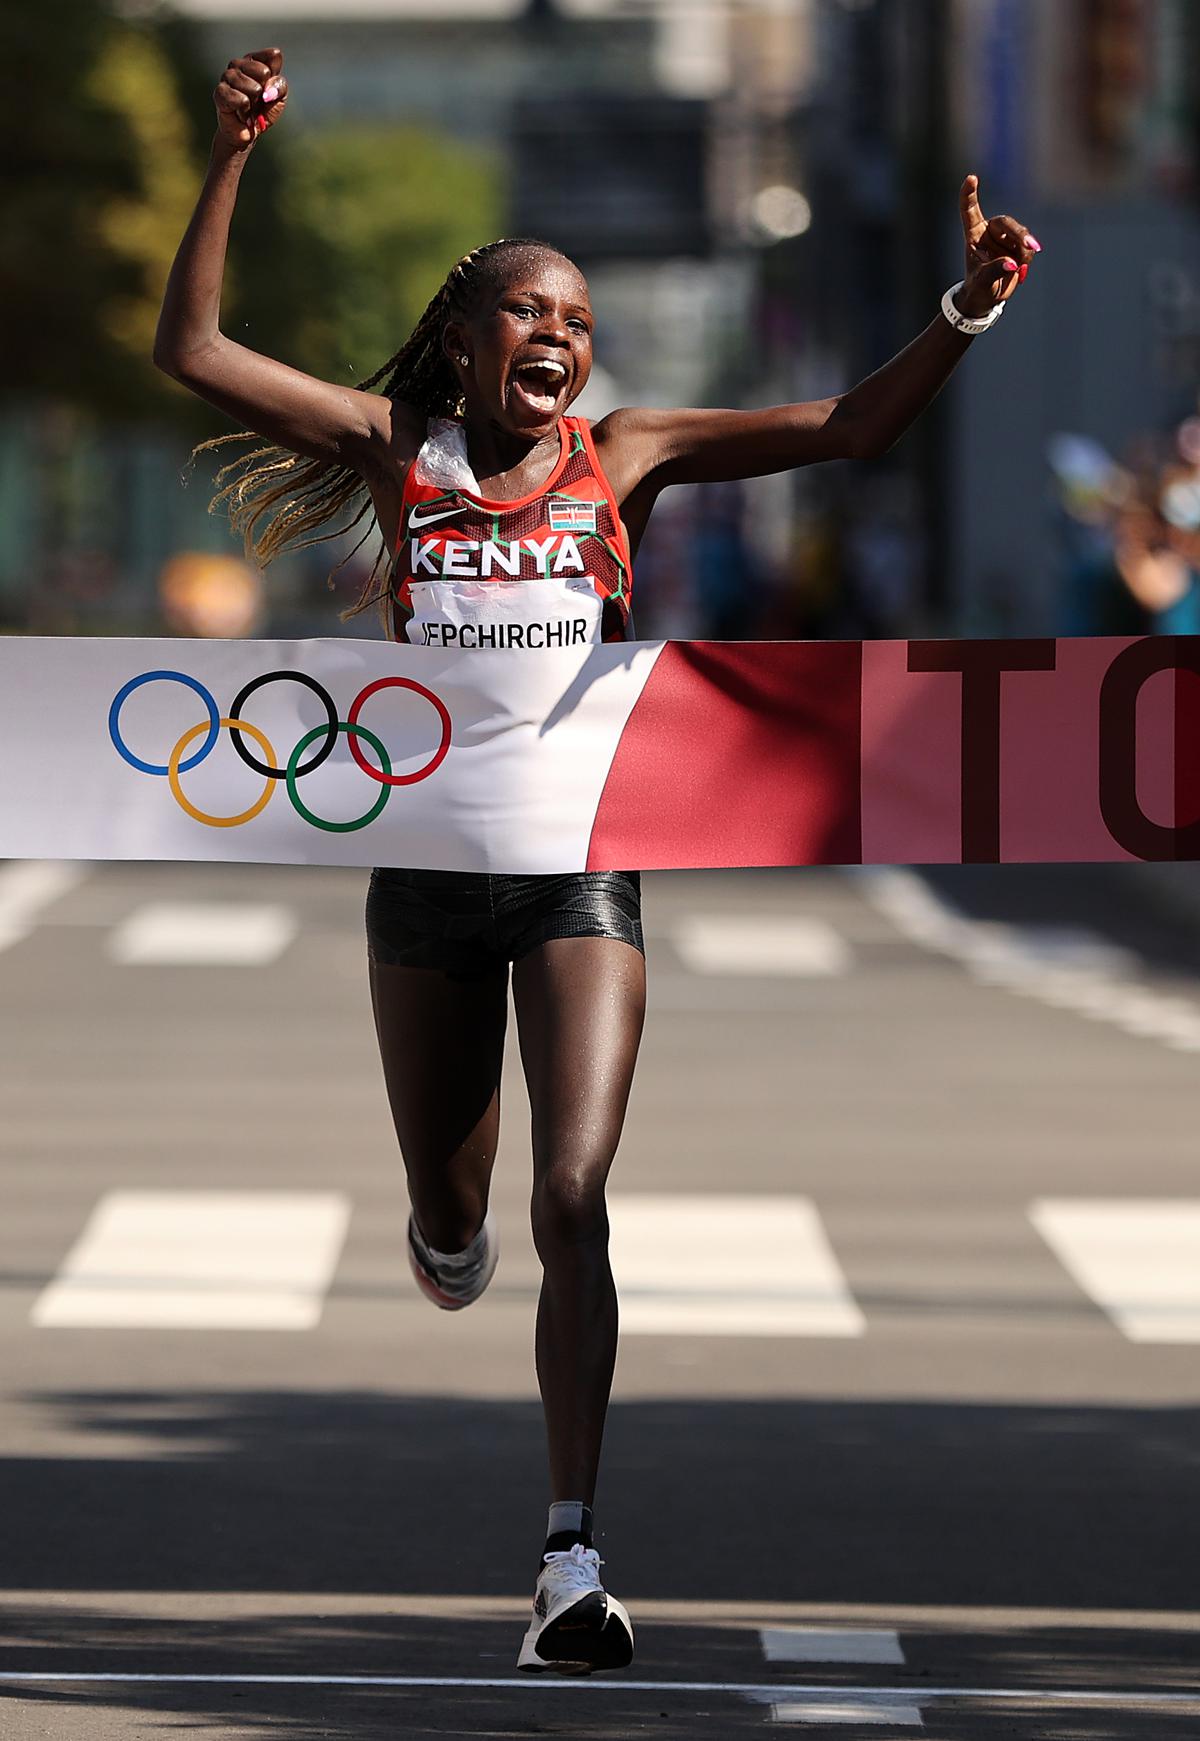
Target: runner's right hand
241 97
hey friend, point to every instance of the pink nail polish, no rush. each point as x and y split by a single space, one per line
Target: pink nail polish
270 94
1023 274
1032 242
1009 265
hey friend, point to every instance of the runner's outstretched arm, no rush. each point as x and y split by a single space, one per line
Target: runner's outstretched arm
648 449
316 418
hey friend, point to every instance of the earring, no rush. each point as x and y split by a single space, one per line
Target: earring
464 361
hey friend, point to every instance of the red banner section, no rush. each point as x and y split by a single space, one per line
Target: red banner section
901 752
737 753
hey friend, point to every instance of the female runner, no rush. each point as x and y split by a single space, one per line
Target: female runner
470 437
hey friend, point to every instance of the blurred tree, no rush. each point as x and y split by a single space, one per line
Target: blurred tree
378 216
100 173
339 239
139 226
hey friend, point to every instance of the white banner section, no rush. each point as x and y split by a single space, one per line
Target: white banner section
310 752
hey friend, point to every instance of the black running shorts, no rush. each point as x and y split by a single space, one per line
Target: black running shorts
468 924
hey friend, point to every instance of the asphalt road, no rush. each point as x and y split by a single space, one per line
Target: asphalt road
936 1477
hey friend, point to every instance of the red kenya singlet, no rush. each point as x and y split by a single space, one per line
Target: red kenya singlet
550 570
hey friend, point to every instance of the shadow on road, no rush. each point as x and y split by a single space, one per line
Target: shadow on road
842 1502
372 1534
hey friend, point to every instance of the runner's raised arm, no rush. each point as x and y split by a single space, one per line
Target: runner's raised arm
644 450
316 418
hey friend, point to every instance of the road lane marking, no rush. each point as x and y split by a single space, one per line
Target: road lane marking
1180 1625
202 934
1118 1699
727 1266
199 1260
1066 969
829 1644
787 945
26 887
847 1711
1137 1258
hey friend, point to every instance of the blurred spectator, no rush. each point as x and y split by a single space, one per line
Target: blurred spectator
1130 535
216 597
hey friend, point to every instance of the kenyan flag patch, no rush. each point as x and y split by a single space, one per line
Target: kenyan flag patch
568 514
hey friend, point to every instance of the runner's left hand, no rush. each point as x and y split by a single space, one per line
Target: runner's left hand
998 254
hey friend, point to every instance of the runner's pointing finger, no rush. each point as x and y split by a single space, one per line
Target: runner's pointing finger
973 221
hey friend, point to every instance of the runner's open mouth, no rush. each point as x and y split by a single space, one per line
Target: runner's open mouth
538 386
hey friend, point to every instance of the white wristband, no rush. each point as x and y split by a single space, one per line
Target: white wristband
962 322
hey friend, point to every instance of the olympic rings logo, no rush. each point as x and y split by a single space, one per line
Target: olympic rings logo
179 762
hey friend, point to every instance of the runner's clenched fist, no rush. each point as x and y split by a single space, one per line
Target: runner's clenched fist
250 97
998 254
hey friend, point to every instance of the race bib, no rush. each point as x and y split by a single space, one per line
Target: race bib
551 611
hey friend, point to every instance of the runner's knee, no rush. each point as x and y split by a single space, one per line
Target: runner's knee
568 1208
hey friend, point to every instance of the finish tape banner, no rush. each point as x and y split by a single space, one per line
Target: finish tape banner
677 754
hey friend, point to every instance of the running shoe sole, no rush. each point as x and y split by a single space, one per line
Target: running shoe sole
428 1283
594 1633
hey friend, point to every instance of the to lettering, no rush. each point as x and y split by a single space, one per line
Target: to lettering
982 664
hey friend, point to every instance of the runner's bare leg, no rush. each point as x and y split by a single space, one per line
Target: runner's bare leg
580 1004
442 1041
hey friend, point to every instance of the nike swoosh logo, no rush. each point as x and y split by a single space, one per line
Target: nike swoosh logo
415 521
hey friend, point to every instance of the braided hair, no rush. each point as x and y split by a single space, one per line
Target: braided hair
305 493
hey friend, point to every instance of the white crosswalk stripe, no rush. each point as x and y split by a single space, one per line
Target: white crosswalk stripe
202 1260
727 1266
779 945
27 886
685 1265
830 1644
848 1710
203 933
1138 1259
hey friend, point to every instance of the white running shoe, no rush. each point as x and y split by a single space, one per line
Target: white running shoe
453 1282
576 1625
